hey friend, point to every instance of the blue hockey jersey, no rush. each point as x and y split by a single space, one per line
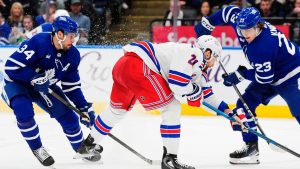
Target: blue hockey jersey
38 55
275 59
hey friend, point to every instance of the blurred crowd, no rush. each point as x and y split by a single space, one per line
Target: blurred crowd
94 17
275 11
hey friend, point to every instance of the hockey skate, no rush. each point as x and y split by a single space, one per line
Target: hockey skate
170 161
43 156
89 151
247 155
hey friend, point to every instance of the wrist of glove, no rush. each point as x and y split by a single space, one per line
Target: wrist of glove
194 99
41 83
240 117
88 110
204 27
235 77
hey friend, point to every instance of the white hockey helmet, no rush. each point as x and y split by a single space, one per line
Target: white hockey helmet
61 12
208 42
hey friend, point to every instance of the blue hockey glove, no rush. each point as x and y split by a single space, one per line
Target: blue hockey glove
41 83
240 118
204 27
194 98
88 110
234 77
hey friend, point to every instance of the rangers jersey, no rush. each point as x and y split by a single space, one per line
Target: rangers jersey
179 64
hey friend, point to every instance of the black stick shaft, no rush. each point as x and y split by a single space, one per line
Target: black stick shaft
68 104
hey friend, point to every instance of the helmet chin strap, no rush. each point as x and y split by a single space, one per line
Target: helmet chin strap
60 40
257 31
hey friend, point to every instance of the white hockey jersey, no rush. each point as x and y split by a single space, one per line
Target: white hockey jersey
209 96
179 64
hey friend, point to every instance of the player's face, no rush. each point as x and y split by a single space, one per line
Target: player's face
210 60
70 38
249 34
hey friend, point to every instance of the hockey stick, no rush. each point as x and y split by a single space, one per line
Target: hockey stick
243 101
270 141
68 104
249 111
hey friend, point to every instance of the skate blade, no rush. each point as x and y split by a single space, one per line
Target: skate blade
246 160
92 162
81 156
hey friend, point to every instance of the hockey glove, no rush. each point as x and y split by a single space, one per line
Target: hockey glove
240 118
234 77
88 110
41 83
194 98
204 27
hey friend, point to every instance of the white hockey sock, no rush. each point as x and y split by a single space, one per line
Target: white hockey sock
170 126
105 122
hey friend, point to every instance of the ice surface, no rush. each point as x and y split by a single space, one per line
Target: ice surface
205 144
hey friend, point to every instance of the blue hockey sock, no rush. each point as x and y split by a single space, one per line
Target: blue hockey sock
31 134
75 137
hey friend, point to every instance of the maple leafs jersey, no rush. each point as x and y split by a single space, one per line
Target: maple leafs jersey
274 58
39 55
179 64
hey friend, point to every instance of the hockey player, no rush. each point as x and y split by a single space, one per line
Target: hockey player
47 27
276 68
38 65
153 74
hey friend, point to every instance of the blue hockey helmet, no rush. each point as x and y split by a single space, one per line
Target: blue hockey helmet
65 24
248 18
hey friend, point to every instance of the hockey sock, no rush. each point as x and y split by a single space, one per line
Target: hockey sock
75 137
31 134
70 124
100 129
105 122
170 135
170 126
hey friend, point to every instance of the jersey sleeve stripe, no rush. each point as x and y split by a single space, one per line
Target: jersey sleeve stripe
266 77
70 83
71 89
263 81
7 78
207 91
178 78
16 62
223 14
177 83
229 12
288 76
11 67
174 72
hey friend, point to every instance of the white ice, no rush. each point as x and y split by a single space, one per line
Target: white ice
205 144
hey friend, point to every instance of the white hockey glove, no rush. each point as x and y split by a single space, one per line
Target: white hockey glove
194 99
240 118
